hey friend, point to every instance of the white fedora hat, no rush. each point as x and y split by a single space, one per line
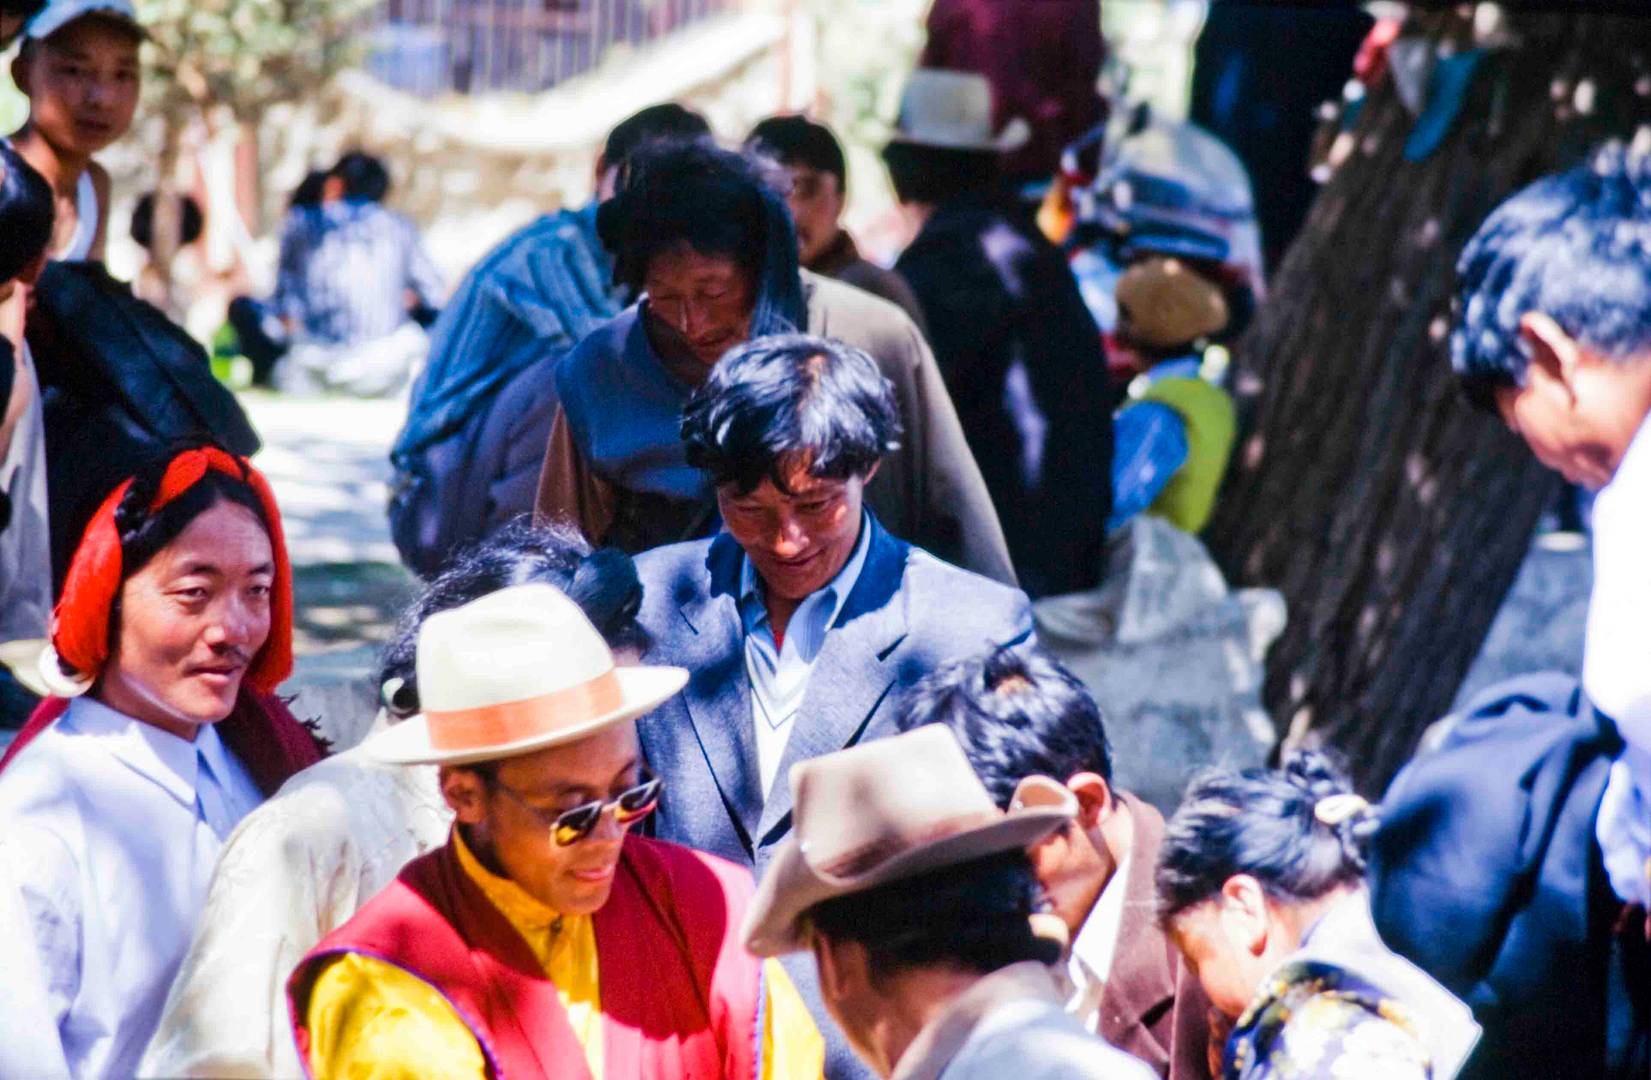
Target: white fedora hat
884 811
516 671
952 110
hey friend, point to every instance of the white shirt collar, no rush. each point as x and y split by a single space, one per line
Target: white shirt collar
1089 963
171 762
755 613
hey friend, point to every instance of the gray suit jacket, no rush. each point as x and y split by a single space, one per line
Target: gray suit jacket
908 613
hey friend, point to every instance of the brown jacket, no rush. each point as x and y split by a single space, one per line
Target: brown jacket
842 260
1153 1006
929 492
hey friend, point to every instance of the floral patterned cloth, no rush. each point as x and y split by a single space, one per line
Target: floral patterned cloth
1316 1021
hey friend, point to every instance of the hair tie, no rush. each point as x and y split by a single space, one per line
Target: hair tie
1333 810
61 683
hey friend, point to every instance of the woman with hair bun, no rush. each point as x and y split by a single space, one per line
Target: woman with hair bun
1260 884
172 633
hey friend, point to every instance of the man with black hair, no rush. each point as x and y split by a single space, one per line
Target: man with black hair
1514 862
915 898
813 159
25 534
468 459
1018 349
351 272
704 236
1019 713
804 617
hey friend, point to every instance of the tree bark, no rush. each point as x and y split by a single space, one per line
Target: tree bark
1391 515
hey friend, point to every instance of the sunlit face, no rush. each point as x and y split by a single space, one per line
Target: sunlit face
1544 413
191 620
797 540
816 202
574 879
702 304
83 84
1237 938
1073 864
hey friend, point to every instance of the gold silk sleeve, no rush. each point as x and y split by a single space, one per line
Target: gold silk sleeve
368 1019
792 1047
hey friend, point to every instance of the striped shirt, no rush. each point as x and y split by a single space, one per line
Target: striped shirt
536 294
346 269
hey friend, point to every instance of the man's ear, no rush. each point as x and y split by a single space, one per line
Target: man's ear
465 794
1244 911
1554 353
1095 801
842 965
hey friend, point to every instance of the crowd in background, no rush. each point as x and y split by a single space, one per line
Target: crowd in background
719 741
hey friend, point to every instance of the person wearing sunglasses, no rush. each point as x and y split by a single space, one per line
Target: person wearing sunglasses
545 938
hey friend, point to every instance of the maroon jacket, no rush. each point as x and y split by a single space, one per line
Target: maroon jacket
1153 1007
1042 57
680 996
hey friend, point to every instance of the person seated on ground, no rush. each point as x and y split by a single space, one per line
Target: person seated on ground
351 273
468 459
805 616
174 629
1019 351
340 831
1512 862
79 69
544 939
1177 431
1019 713
1260 883
813 158
914 895
25 529
703 235
191 224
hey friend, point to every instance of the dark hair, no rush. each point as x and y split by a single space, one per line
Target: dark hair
975 916
1017 712
603 583
26 213
145 532
1575 247
930 174
776 398
364 176
797 140
1262 822
308 192
694 195
22 8
191 222
655 123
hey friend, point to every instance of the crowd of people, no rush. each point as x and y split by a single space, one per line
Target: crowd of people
719 742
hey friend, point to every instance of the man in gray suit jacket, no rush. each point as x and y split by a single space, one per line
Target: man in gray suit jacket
803 620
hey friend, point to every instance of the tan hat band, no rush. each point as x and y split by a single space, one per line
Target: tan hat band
514 721
868 857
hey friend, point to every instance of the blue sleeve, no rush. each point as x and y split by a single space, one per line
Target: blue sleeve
1150 445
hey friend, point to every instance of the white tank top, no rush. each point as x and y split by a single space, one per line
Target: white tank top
80 244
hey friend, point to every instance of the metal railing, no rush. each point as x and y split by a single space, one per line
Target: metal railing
432 47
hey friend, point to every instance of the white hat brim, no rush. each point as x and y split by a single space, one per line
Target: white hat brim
642 690
1013 136
792 886
56 16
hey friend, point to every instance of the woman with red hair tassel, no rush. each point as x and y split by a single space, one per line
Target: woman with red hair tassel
173 630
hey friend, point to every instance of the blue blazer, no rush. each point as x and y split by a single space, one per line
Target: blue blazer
908 613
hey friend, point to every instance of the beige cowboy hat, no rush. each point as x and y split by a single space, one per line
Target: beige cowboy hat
884 811
1169 303
952 110
516 671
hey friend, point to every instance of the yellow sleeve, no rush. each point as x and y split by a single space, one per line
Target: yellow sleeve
371 1021
792 1048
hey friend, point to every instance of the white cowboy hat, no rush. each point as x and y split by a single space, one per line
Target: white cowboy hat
952 110
516 671
884 811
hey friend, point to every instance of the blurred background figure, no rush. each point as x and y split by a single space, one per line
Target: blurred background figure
814 160
261 333
191 223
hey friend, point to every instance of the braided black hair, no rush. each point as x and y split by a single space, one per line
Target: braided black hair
1269 824
144 533
603 583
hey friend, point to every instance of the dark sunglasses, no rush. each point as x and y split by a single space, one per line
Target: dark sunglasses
571 826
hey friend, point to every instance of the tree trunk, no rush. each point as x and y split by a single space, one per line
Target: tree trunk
168 221
1390 514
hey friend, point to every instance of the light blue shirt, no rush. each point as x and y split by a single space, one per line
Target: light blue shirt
110 829
779 675
1149 445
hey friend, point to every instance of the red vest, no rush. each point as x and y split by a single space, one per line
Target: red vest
680 996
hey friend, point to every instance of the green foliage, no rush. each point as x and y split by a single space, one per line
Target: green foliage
245 55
